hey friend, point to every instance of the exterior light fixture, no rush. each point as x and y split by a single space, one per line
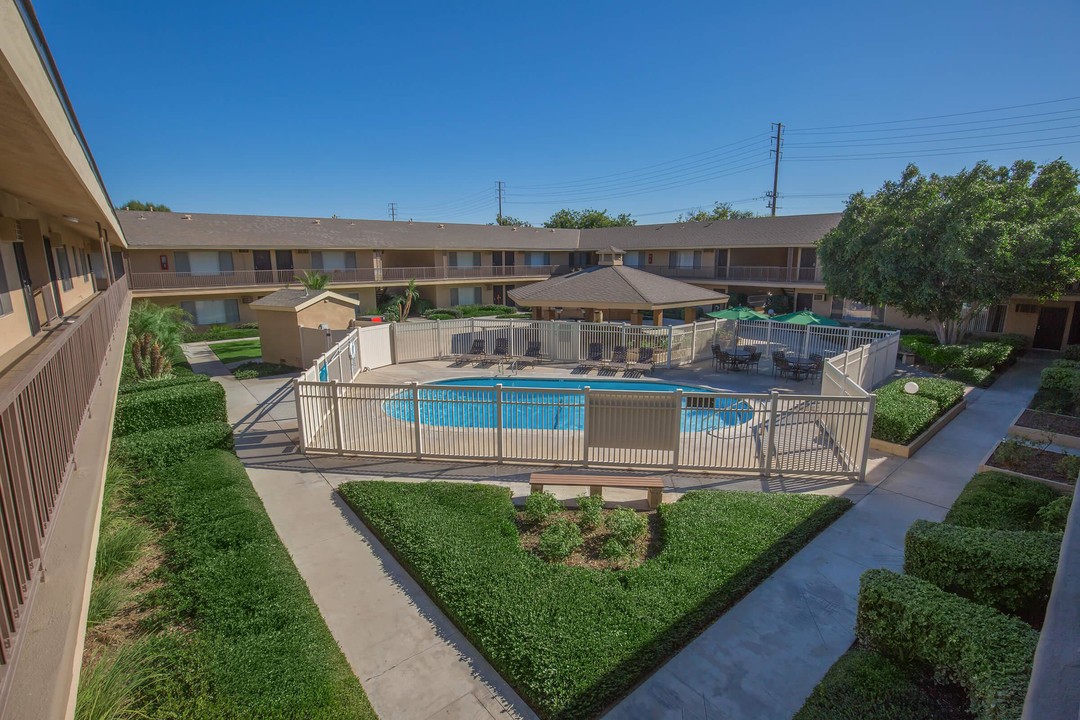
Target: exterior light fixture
71 218
911 387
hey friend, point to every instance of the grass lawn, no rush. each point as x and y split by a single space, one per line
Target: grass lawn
572 640
255 369
238 350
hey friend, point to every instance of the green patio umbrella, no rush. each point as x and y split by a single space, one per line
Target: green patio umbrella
737 313
806 317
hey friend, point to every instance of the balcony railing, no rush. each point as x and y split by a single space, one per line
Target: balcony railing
738 273
350 276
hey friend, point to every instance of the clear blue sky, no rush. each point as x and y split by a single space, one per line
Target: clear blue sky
339 108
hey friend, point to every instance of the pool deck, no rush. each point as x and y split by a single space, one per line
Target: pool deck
793 626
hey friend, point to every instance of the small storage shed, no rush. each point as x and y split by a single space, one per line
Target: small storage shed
295 325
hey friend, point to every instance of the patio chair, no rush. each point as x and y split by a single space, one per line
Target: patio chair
618 358
477 353
594 358
501 352
644 362
784 366
720 357
533 354
754 361
817 365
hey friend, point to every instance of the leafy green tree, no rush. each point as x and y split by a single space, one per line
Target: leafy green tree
313 280
154 334
410 295
144 206
584 219
943 247
719 211
509 221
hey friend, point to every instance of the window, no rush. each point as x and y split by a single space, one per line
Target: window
684 259
64 266
87 268
857 312
633 258
333 260
466 296
5 297
203 262
535 259
464 259
212 312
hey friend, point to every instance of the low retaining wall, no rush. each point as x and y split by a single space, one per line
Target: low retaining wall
906 451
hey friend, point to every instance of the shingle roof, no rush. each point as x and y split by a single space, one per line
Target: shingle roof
613 286
298 298
181 230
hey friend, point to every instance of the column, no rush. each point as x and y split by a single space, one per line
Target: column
635 317
689 315
658 317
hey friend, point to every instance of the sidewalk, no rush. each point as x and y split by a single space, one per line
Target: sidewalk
763 657
413 663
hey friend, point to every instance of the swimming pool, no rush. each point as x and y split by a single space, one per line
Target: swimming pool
470 402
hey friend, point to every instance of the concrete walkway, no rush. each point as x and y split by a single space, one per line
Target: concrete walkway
763 657
413 663
759 660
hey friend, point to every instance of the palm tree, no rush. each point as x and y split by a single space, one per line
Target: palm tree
155 332
411 294
313 280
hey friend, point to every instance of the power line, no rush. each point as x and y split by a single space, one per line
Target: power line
882 142
936 152
949 125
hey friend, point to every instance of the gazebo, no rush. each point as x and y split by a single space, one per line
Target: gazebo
613 291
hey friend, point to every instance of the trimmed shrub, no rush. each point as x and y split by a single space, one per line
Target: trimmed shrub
988 354
184 404
1072 352
998 501
1054 515
1010 570
1018 342
540 505
441 316
1059 389
979 377
945 393
158 449
941 357
626 526
1069 466
559 540
899 417
449 313
865 685
162 383
590 511
987 653
257 369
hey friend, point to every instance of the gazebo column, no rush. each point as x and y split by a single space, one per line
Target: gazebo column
596 315
635 317
689 315
658 317
537 313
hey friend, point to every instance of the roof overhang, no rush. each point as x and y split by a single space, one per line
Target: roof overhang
313 300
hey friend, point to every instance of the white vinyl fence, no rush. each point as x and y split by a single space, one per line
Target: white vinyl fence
768 434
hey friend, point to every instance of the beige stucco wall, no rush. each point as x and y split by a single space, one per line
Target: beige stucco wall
279 337
14 326
335 314
772 257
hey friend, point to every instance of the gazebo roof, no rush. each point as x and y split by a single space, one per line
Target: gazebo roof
614 286
297 299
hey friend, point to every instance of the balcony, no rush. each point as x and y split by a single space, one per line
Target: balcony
739 273
157 281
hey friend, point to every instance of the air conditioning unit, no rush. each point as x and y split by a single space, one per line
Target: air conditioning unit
243 251
247 299
303 252
820 297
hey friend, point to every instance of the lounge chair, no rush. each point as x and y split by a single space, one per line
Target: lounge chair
477 353
501 353
533 354
619 360
644 362
594 358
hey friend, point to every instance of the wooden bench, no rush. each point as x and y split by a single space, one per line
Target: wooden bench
596 483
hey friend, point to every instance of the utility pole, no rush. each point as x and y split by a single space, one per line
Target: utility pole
500 186
391 209
774 195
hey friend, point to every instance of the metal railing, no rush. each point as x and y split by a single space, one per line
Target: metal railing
42 410
348 276
738 273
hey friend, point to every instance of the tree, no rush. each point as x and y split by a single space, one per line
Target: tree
720 211
144 206
945 247
583 219
509 221
313 280
408 296
155 333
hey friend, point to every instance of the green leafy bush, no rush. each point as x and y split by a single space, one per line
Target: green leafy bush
1016 341
540 505
986 652
1054 515
865 685
479 310
157 449
570 639
254 644
900 417
441 316
978 377
999 501
145 385
184 404
223 332
559 540
1072 352
1069 466
1010 570
252 370
447 313
1059 390
590 511
941 357
626 526
987 354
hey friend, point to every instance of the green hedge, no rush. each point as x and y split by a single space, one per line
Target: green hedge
243 637
1059 389
572 640
900 418
145 385
222 332
1072 352
157 449
865 685
998 501
987 653
1010 570
1054 516
979 377
171 406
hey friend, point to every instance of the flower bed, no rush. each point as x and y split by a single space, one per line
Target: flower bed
1020 456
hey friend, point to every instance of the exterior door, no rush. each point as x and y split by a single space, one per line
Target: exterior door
284 265
27 288
53 281
264 269
1051 328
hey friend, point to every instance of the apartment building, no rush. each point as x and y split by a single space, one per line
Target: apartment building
63 313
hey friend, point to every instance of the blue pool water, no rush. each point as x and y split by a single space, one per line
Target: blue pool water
530 404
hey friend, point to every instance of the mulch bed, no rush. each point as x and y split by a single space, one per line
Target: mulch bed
1058 424
1039 463
588 555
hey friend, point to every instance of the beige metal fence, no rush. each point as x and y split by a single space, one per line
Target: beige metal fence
42 409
